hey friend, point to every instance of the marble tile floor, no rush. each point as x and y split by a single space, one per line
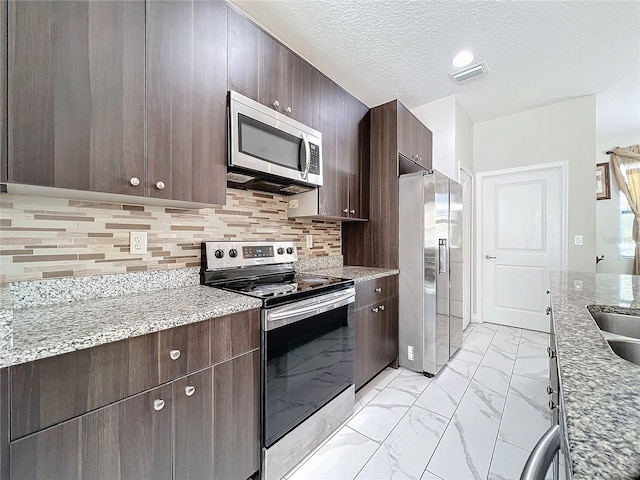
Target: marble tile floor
478 418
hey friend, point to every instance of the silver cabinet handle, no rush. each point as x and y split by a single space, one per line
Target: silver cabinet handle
542 455
288 110
548 310
379 289
174 354
489 257
158 404
382 308
160 185
352 212
190 390
375 309
549 389
551 353
135 181
442 255
345 210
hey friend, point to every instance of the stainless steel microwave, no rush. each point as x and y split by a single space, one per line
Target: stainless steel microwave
271 151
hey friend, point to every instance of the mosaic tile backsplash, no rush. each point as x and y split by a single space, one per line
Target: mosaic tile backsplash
51 238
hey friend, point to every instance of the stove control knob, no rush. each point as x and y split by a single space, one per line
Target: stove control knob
219 253
289 250
233 253
280 250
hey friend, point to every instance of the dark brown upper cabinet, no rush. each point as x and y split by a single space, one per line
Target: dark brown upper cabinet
393 131
3 91
186 100
76 94
263 69
358 158
414 139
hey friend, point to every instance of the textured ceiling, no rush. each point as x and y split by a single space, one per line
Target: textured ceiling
538 52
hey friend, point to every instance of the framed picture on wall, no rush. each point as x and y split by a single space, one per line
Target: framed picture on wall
603 190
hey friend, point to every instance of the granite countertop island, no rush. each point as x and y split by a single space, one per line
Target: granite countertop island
48 318
601 390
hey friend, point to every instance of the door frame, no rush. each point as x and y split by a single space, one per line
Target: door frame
472 267
562 168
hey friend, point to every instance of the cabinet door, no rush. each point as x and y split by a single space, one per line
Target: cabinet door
193 432
243 57
3 94
76 105
407 133
334 114
425 146
306 93
274 63
186 100
129 439
364 333
236 421
387 333
358 158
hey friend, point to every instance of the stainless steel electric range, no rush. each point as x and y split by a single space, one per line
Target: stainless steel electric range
307 345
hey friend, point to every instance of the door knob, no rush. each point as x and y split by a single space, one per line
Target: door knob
489 257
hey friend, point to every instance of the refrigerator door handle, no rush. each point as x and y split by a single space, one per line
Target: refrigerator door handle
442 255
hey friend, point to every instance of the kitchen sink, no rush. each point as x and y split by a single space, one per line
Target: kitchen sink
618 324
629 350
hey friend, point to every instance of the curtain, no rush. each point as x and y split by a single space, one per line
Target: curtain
625 163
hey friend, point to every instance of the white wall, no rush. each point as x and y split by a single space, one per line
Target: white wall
564 131
440 117
608 211
464 138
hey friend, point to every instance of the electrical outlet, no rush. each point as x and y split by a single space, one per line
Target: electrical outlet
578 240
309 241
137 243
577 284
410 353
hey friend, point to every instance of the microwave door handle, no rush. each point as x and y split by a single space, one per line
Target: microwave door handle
307 156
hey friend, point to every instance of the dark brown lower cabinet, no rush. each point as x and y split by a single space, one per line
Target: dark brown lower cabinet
128 439
376 334
205 425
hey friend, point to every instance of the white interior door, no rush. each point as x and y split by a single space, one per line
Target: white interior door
467 208
522 218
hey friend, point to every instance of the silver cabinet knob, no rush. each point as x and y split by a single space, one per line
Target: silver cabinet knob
549 389
548 310
160 185
352 212
375 309
135 181
158 404
276 104
489 257
551 353
382 308
551 405
548 292
288 110
190 390
345 210
378 290
174 354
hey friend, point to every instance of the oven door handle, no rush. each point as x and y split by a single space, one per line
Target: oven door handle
281 316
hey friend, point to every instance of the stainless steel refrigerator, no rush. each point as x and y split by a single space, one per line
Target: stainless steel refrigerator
430 260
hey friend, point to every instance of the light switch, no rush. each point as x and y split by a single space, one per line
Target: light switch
578 240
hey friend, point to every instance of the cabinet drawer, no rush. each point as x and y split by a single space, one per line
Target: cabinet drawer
51 390
183 350
375 290
235 334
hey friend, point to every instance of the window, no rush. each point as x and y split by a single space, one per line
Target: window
626 246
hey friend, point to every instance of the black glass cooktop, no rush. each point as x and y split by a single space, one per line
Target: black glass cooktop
283 288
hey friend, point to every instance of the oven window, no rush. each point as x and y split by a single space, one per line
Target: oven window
263 141
307 364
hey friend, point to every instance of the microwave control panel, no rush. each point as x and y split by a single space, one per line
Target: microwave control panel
314 159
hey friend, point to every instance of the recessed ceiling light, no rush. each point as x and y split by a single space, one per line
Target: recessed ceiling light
462 59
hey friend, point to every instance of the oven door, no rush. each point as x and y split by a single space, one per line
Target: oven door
263 140
307 359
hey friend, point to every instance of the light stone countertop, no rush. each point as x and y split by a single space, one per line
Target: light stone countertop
357 274
601 390
45 331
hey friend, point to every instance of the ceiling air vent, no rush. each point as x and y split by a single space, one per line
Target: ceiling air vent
469 72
